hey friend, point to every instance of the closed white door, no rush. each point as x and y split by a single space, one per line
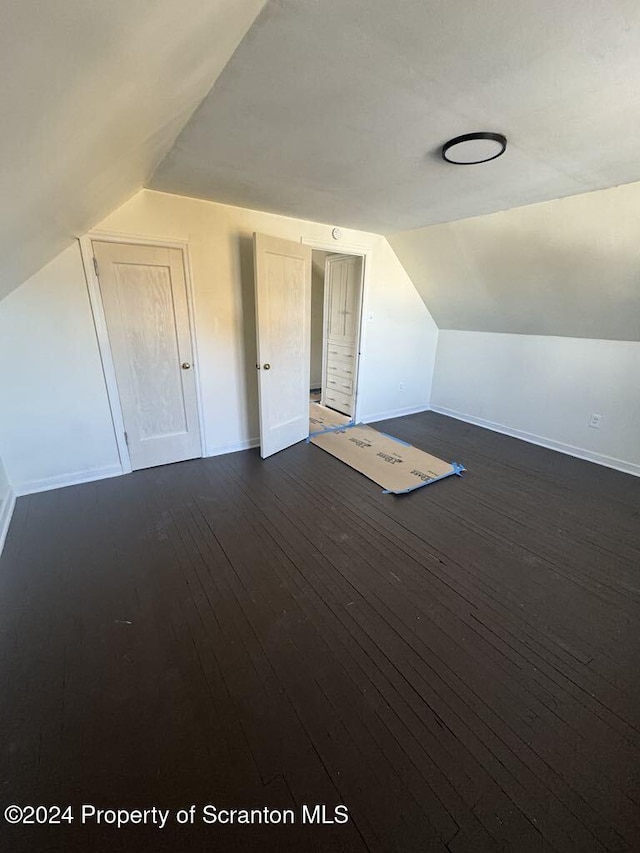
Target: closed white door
283 317
144 296
343 298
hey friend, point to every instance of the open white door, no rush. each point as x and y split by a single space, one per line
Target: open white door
283 316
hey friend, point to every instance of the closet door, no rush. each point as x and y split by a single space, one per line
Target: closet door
144 296
343 291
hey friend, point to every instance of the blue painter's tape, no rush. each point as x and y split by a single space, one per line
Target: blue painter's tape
336 428
456 469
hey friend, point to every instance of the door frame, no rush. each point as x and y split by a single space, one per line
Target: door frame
102 334
364 253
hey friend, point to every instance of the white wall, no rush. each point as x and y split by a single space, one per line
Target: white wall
399 340
544 389
539 316
57 426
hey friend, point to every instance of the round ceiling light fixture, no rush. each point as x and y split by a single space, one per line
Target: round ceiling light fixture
473 148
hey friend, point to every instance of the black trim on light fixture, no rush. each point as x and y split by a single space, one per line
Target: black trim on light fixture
470 137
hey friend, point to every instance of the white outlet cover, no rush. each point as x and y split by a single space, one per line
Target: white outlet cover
595 421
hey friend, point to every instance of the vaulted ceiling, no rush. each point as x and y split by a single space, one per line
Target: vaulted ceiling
92 97
333 110
336 110
568 267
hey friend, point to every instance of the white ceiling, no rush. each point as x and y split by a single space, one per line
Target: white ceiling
568 267
336 110
93 94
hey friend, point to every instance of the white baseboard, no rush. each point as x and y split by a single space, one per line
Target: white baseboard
59 481
394 413
30 487
6 513
234 448
568 449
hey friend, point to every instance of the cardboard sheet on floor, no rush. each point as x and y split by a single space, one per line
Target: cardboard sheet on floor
393 464
322 418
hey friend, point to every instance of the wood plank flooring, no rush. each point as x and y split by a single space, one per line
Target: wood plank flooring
459 667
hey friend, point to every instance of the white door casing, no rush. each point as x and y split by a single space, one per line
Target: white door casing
342 309
144 296
283 317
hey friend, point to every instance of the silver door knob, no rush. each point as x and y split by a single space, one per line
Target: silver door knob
185 365
267 367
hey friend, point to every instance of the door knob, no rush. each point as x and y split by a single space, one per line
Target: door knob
267 367
185 365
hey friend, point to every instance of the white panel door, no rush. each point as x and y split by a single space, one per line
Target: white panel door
144 296
343 280
283 318
343 299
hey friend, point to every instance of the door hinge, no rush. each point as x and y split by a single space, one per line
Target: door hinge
126 438
95 266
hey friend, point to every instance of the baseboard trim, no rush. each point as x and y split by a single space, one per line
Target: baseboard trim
248 444
31 487
395 413
549 443
60 481
6 514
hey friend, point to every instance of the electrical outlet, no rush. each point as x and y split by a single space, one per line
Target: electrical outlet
595 421
401 386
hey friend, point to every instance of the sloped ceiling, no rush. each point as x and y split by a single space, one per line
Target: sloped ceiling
92 97
336 110
569 267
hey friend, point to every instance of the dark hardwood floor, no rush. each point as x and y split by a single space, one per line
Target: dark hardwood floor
460 666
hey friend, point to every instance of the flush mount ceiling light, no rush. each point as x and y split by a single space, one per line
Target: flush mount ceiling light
473 148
